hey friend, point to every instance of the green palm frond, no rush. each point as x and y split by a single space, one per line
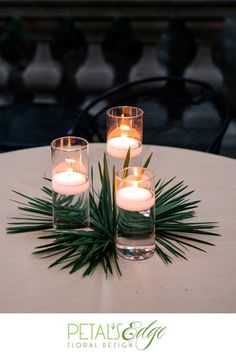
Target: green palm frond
76 249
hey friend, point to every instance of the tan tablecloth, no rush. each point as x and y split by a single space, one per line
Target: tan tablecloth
205 283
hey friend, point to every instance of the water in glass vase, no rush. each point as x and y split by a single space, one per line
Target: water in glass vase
135 237
70 211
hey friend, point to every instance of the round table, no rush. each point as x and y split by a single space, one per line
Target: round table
204 283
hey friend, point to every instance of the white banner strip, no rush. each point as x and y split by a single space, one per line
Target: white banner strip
113 333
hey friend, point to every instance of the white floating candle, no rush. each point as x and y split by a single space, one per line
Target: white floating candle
69 182
118 147
134 198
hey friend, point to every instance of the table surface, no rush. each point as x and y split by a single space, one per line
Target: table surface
204 283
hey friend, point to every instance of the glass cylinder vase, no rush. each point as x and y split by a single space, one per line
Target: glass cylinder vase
135 200
124 131
70 182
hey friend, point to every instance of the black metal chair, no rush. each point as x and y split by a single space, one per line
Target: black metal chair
177 112
31 125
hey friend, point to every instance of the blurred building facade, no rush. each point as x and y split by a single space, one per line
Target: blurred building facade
72 50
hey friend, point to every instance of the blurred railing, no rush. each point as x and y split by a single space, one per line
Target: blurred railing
72 50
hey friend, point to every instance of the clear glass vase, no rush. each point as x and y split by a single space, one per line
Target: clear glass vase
124 131
135 200
70 182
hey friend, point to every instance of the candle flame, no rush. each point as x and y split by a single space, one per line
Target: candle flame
137 176
124 127
136 171
69 171
122 120
72 164
69 142
124 130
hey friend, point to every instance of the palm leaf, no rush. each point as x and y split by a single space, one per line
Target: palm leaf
96 246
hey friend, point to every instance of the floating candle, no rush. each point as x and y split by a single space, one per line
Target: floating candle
69 182
134 198
118 147
124 131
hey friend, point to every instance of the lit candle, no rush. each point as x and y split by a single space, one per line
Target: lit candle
124 131
134 198
69 182
118 147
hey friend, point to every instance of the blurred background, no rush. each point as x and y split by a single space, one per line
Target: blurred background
62 54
